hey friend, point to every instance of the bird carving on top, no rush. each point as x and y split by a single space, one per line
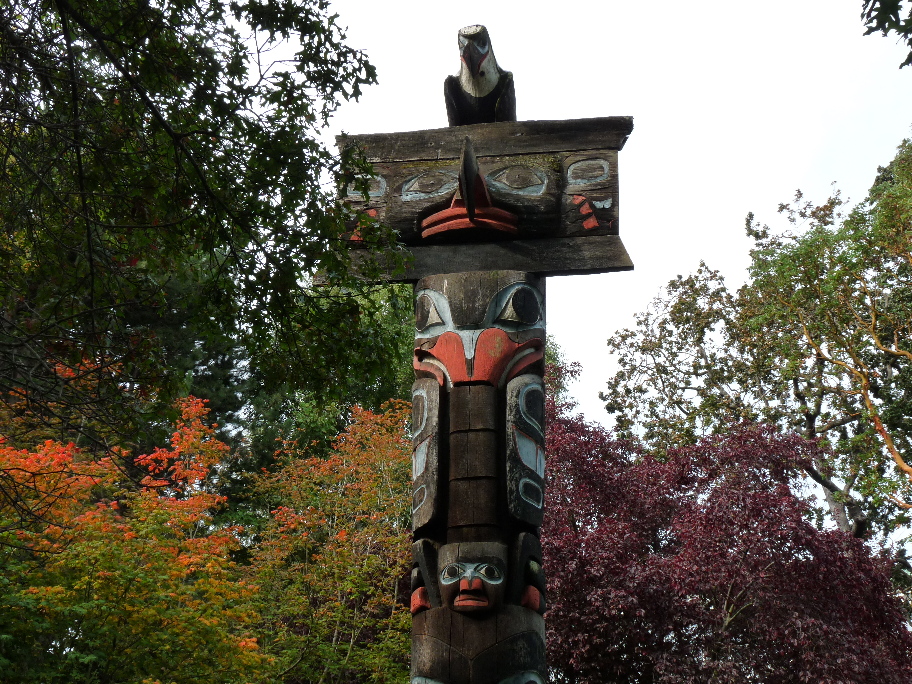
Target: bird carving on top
482 92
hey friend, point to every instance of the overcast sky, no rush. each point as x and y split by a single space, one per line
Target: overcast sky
735 106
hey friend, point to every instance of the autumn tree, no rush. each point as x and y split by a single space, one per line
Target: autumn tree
113 585
330 563
165 201
818 341
701 565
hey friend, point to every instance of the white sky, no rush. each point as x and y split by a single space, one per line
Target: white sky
735 106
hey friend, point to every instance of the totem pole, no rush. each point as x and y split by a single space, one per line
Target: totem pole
487 208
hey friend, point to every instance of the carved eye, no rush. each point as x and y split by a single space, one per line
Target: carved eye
482 45
518 180
451 573
376 187
521 308
429 184
587 171
490 573
532 405
426 313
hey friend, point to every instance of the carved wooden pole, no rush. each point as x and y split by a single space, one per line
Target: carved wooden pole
486 212
478 585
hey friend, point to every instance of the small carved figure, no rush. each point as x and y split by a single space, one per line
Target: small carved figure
482 92
472 576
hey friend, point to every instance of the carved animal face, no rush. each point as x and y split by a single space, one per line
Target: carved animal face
478 73
493 334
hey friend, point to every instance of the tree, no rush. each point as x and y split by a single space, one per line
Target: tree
114 586
331 562
164 192
818 341
889 16
701 566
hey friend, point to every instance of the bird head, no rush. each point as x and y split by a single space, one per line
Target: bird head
478 72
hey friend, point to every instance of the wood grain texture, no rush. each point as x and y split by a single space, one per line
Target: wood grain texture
502 138
478 650
473 454
426 453
412 192
431 654
474 533
469 293
473 502
479 466
545 257
473 407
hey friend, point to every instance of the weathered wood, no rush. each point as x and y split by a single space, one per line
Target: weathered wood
474 533
435 621
431 654
545 257
473 407
472 296
537 188
502 138
480 314
516 619
424 557
426 461
473 502
525 449
472 637
473 454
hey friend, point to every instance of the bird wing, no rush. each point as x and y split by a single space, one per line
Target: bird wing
450 94
505 110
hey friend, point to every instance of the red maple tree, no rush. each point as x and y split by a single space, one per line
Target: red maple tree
705 567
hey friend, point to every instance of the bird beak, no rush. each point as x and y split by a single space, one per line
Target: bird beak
473 58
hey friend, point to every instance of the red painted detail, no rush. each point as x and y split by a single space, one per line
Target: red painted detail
448 350
468 65
532 599
484 219
356 234
494 350
420 600
423 369
523 364
590 223
487 217
473 585
481 61
586 208
471 593
577 199
493 353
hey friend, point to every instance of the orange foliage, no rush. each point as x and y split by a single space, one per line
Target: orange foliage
146 575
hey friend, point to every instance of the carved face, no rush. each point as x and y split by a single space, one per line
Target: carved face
491 337
471 586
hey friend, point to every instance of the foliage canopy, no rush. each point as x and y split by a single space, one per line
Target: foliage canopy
164 196
818 342
702 566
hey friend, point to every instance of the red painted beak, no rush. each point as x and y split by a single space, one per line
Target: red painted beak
471 594
473 59
493 353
